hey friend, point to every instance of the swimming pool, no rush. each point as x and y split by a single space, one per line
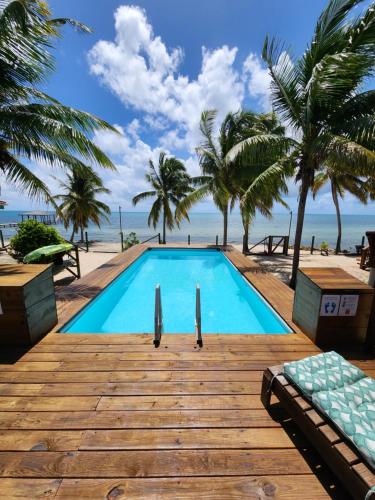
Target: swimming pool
229 303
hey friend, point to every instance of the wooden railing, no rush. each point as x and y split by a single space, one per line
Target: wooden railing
272 243
152 238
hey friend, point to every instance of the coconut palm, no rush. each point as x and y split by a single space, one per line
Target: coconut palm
33 125
245 173
217 177
340 182
79 204
170 183
321 97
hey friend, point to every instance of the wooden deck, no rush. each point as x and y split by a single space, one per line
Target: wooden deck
110 417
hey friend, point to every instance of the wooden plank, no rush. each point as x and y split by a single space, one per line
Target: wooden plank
156 463
125 389
158 355
25 489
27 403
21 440
154 377
30 366
153 403
166 419
173 339
218 488
177 348
184 439
166 365
133 388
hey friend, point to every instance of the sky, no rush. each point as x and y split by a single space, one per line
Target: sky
150 67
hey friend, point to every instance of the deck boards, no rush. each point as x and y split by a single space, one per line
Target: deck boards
108 416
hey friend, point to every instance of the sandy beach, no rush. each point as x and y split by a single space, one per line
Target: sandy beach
279 265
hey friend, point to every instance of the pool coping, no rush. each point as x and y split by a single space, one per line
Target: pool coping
73 298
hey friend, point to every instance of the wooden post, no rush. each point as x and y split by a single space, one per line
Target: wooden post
2 239
370 339
312 245
269 249
77 261
86 241
188 239
122 240
217 240
286 245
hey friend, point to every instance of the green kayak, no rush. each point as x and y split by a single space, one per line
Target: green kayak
47 251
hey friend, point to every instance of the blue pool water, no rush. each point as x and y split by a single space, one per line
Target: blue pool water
229 303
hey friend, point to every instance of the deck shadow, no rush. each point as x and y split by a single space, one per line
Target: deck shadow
332 485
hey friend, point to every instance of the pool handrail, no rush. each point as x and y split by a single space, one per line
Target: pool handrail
158 317
198 316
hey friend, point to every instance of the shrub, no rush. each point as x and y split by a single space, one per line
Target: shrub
130 240
32 235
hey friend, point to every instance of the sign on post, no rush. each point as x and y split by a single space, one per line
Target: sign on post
348 305
330 305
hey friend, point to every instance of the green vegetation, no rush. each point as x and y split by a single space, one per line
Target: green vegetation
324 247
33 125
320 96
130 240
32 235
79 203
170 183
340 182
217 175
320 99
246 173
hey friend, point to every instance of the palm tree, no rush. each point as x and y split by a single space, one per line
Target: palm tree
340 182
245 174
79 202
321 99
170 183
33 125
217 177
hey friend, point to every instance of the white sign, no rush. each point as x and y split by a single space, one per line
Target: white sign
330 305
348 305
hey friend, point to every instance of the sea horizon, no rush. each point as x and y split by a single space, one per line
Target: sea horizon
205 226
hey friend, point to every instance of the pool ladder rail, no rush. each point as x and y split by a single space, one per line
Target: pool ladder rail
158 317
198 317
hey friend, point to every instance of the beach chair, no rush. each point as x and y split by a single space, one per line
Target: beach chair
333 403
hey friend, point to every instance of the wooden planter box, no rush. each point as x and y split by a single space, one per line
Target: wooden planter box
27 303
331 306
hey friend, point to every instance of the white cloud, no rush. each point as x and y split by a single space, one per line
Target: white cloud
259 80
139 69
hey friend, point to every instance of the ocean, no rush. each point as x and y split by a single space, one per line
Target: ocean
204 227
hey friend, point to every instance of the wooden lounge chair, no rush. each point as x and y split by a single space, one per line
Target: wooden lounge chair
341 456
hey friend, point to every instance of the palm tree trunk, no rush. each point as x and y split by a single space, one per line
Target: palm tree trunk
225 231
246 224
164 225
338 216
82 238
299 227
72 235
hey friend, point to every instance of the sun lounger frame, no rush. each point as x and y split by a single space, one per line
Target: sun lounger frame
336 450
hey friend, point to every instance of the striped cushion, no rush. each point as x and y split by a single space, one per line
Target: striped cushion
322 372
343 393
352 409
